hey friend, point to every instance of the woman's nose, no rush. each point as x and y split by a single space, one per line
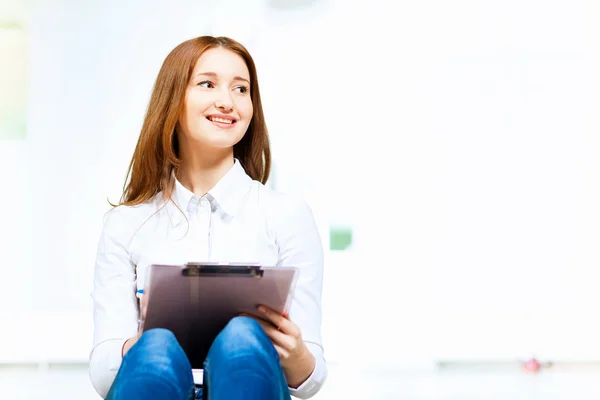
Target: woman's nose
223 101
224 106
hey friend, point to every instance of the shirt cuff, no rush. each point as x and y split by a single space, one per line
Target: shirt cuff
313 384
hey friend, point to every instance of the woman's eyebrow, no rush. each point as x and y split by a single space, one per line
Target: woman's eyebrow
213 74
239 78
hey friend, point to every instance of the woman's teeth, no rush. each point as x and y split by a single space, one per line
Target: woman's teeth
221 120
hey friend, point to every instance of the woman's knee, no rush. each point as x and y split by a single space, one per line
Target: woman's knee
158 341
155 362
242 334
159 348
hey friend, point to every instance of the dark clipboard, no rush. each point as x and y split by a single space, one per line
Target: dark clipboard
195 301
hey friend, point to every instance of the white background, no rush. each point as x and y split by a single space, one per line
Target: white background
460 139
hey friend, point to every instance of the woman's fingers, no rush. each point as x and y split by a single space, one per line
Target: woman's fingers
277 336
281 322
283 353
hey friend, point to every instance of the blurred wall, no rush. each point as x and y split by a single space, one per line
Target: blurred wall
459 139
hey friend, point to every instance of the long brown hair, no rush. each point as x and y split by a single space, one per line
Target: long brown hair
156 154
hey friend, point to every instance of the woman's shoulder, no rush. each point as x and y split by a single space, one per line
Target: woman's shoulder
290 218
126 217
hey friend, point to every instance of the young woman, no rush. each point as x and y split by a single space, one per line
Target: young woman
194 192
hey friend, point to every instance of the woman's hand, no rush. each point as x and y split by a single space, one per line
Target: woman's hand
129 343
296 360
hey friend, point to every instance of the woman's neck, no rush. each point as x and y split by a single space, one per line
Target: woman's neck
199 173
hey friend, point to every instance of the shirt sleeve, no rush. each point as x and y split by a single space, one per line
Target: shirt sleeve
300 246
114 301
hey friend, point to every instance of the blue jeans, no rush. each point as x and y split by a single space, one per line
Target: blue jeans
241 364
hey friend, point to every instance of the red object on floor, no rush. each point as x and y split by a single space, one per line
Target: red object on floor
532 365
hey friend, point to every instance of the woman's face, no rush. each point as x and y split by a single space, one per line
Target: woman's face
218 107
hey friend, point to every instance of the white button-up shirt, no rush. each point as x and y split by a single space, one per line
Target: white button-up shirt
239 220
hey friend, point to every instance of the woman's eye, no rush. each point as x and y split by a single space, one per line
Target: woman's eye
242 89
206 84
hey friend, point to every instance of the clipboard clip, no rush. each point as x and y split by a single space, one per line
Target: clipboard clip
203 269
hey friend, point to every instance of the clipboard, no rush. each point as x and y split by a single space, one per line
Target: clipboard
195 301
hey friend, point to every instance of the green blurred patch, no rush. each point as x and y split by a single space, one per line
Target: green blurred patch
340 238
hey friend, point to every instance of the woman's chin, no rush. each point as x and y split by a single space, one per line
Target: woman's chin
216 143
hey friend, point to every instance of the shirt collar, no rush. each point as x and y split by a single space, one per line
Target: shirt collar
228 194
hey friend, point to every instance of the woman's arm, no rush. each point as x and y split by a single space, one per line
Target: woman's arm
114 300
300 246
